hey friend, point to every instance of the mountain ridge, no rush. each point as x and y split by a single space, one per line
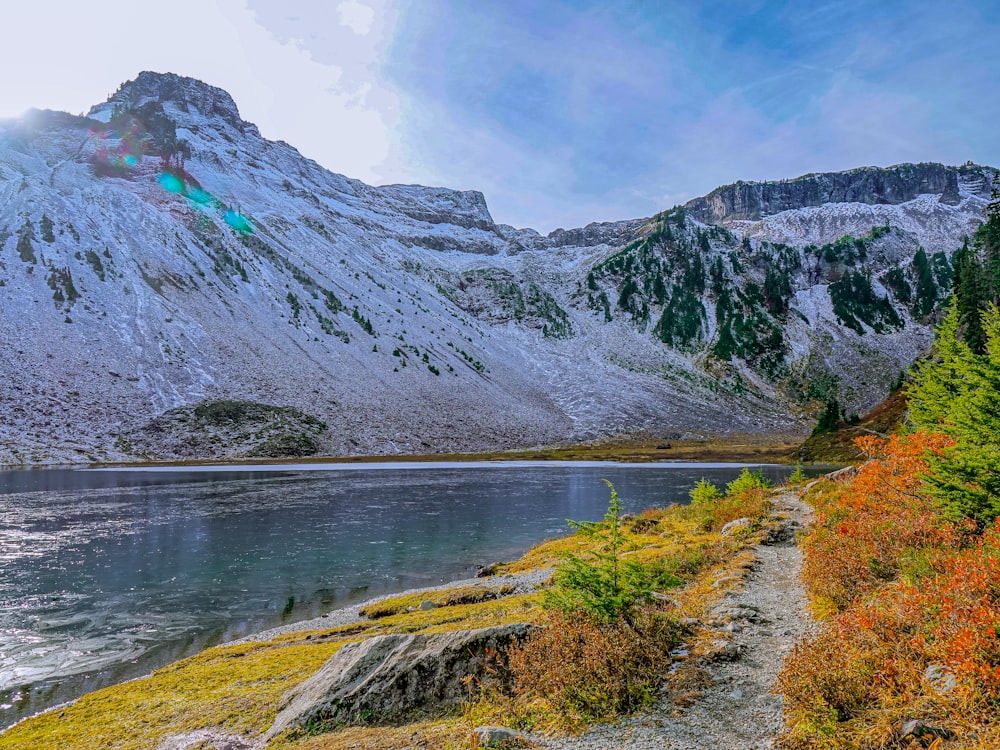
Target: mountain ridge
162 253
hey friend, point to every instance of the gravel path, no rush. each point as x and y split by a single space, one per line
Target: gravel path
758 625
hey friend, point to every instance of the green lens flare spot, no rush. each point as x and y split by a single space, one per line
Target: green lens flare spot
238 222
200 196
131 160
171 183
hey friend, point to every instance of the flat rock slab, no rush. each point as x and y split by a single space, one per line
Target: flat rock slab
392 678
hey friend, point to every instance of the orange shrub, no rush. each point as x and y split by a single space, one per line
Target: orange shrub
880 526
958 614
912 590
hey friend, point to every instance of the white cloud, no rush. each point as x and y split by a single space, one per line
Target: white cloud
356 16
69 56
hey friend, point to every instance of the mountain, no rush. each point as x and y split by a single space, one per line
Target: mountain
173 284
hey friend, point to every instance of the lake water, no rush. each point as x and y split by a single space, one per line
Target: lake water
107 575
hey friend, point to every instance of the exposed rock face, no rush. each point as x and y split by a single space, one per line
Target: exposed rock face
613 233
873 185
188 93
392 678
229 429
465 208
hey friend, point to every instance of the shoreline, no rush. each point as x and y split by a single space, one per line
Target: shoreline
736 448
523 583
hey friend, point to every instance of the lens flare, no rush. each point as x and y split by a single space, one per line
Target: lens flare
202 197
238 221
205 202
171 183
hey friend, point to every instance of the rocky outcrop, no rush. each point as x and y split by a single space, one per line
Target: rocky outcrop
872 185
392 678
460 208
184 93
613 233
228 429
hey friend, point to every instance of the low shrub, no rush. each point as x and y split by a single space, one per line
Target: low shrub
745 497
588 670
880 526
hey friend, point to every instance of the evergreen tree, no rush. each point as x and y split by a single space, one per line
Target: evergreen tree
958 393
970 293
926 295
828 420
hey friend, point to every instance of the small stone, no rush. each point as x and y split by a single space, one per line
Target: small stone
942 680
496 737
917 728
427 604
736 694
734 627
733 526
724 650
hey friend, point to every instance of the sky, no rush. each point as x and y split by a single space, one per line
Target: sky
561 112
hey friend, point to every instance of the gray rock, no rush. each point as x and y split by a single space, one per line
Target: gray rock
733 526
843 475
489 570
724 651
427 604
391 678
942 680
500 737
872 185
920 730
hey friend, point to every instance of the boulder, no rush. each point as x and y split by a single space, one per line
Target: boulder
737 525
500 737
392 678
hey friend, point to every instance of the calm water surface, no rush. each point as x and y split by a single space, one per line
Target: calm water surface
107 575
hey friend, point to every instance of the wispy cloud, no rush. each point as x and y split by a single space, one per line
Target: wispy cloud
585 111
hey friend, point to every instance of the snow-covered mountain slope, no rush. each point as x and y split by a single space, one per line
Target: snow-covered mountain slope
159 253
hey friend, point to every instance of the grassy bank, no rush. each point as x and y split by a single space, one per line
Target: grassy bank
235 690
728 448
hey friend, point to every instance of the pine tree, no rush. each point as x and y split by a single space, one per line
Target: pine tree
601 584
970 296
958 393
926 294
938 382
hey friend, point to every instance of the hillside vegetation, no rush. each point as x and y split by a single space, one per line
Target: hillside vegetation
903 562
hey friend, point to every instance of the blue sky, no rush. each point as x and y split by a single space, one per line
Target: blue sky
560 112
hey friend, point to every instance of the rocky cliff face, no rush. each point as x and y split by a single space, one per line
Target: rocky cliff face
160 254
871 185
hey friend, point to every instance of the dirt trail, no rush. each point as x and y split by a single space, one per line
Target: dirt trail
759 623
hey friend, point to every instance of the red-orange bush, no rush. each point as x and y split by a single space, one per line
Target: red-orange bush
958 616
853 682
880 525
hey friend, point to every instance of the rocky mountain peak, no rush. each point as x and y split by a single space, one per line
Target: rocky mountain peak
163 89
